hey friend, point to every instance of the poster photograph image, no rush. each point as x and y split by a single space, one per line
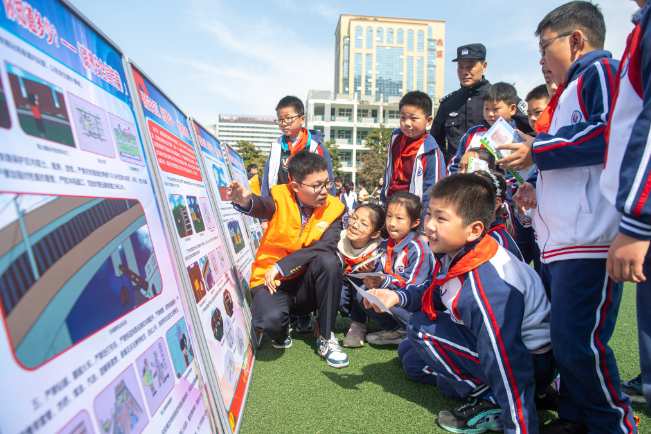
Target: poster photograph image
232 221
87 287
239 173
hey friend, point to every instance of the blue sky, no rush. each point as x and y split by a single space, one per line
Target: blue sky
216 57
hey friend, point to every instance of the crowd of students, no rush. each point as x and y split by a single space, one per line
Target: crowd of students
446 248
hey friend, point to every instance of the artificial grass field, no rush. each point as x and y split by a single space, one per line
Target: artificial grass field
295 391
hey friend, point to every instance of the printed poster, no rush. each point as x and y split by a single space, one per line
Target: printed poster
203 249
232 220
88 298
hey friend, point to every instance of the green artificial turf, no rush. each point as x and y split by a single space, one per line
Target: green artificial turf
294 391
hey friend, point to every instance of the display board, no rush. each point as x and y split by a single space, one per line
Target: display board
94 336
196 232
233 221
239 173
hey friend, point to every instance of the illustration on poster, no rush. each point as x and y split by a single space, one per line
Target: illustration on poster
196 281
124 134
228 303
41 107
228 332
180 347
217 324
181 215
222 180
91 127
236 236
5 119
155 374
195 213
94 253
207 213
206 271
119 408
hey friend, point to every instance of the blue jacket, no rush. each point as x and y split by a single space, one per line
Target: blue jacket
626 179
504 239
411 260
429 167
273 161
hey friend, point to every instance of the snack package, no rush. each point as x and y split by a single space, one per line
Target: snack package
501 133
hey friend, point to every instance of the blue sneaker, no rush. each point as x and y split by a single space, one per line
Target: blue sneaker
332 352
633 388
305 324
477 416
283 345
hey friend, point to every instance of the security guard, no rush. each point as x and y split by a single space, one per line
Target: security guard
464 108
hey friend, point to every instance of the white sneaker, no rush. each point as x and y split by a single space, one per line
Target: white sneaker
332 352
386 337
355 336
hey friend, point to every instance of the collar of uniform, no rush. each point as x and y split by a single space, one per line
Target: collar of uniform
447 262
638 15
478 87
406 240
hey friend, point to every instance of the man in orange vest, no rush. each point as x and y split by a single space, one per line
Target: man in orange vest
296 269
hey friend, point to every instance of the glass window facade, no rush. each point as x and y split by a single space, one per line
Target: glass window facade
358 37
368 82
421 41
419 74
410 74
346 64
358 74
429 33
410 40
431 64
369 37
379 33
389 36
400 37
388 77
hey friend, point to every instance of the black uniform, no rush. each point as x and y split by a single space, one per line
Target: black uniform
463 109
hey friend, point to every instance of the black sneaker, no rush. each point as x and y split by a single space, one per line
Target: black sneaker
563 426
477 416
547 400
305 324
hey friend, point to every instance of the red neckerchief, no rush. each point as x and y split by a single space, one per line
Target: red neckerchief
406 151
545 120
482 253
350 263
300 143
387 265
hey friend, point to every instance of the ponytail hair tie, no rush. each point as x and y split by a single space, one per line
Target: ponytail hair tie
496 183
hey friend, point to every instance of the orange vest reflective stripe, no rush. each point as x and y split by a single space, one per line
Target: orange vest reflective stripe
285 234
254 185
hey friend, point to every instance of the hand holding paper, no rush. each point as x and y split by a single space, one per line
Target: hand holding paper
521 155
372 301
373 281
387 297
365 268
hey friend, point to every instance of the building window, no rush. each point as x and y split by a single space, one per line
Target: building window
429 33
346 158
358 74
388 73
369 37
346 60
419 74
393 114
344 112
410 73
410 40
389 36
368 83
379 35
344 134
358 37
362 113
400 39
421 41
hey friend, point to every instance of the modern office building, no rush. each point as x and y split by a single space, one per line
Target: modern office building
383 57
349 121
259 130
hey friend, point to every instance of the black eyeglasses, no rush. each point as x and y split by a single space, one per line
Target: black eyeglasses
286 121
543 50
318 188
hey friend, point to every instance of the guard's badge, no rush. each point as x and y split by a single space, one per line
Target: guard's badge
523 107
453 114
464 52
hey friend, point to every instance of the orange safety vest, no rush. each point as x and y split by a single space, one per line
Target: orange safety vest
285 234
254 185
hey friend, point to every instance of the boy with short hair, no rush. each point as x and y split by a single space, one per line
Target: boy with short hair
537 99
575 225
499 101
483 326
291 117
415 162
296 269
624 183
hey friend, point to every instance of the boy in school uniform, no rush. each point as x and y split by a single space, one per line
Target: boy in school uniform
415 162
291 117
296 269
625 184
481 326
574 223
499 101
254 178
